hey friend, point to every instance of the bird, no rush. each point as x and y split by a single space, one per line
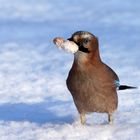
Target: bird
92 83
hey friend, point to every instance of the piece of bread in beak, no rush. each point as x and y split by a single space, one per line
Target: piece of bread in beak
68 46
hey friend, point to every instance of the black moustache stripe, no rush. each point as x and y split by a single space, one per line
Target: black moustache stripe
83 49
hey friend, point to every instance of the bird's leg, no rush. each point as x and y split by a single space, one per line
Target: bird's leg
83 118
110 118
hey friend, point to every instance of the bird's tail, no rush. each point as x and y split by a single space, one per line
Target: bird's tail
123 87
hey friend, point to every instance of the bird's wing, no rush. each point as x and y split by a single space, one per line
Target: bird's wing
114 76
117 81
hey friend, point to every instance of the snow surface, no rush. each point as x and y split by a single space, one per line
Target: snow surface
35 103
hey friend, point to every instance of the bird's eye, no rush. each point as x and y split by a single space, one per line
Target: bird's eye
86 40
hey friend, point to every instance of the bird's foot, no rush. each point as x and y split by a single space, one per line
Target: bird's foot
110 118
83 118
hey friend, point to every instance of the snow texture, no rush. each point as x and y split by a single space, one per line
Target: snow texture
35 103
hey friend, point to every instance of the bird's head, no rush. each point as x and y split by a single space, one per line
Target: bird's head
87 42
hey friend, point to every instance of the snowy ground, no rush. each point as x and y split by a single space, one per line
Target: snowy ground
35 103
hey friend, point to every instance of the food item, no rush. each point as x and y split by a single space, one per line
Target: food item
66 45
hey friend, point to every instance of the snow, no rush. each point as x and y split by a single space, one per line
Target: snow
35 103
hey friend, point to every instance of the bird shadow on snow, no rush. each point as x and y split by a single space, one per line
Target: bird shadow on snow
63 112
37 113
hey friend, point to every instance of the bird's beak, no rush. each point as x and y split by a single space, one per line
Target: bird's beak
70 39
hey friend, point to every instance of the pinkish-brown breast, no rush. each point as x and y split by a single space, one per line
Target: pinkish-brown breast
92 87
